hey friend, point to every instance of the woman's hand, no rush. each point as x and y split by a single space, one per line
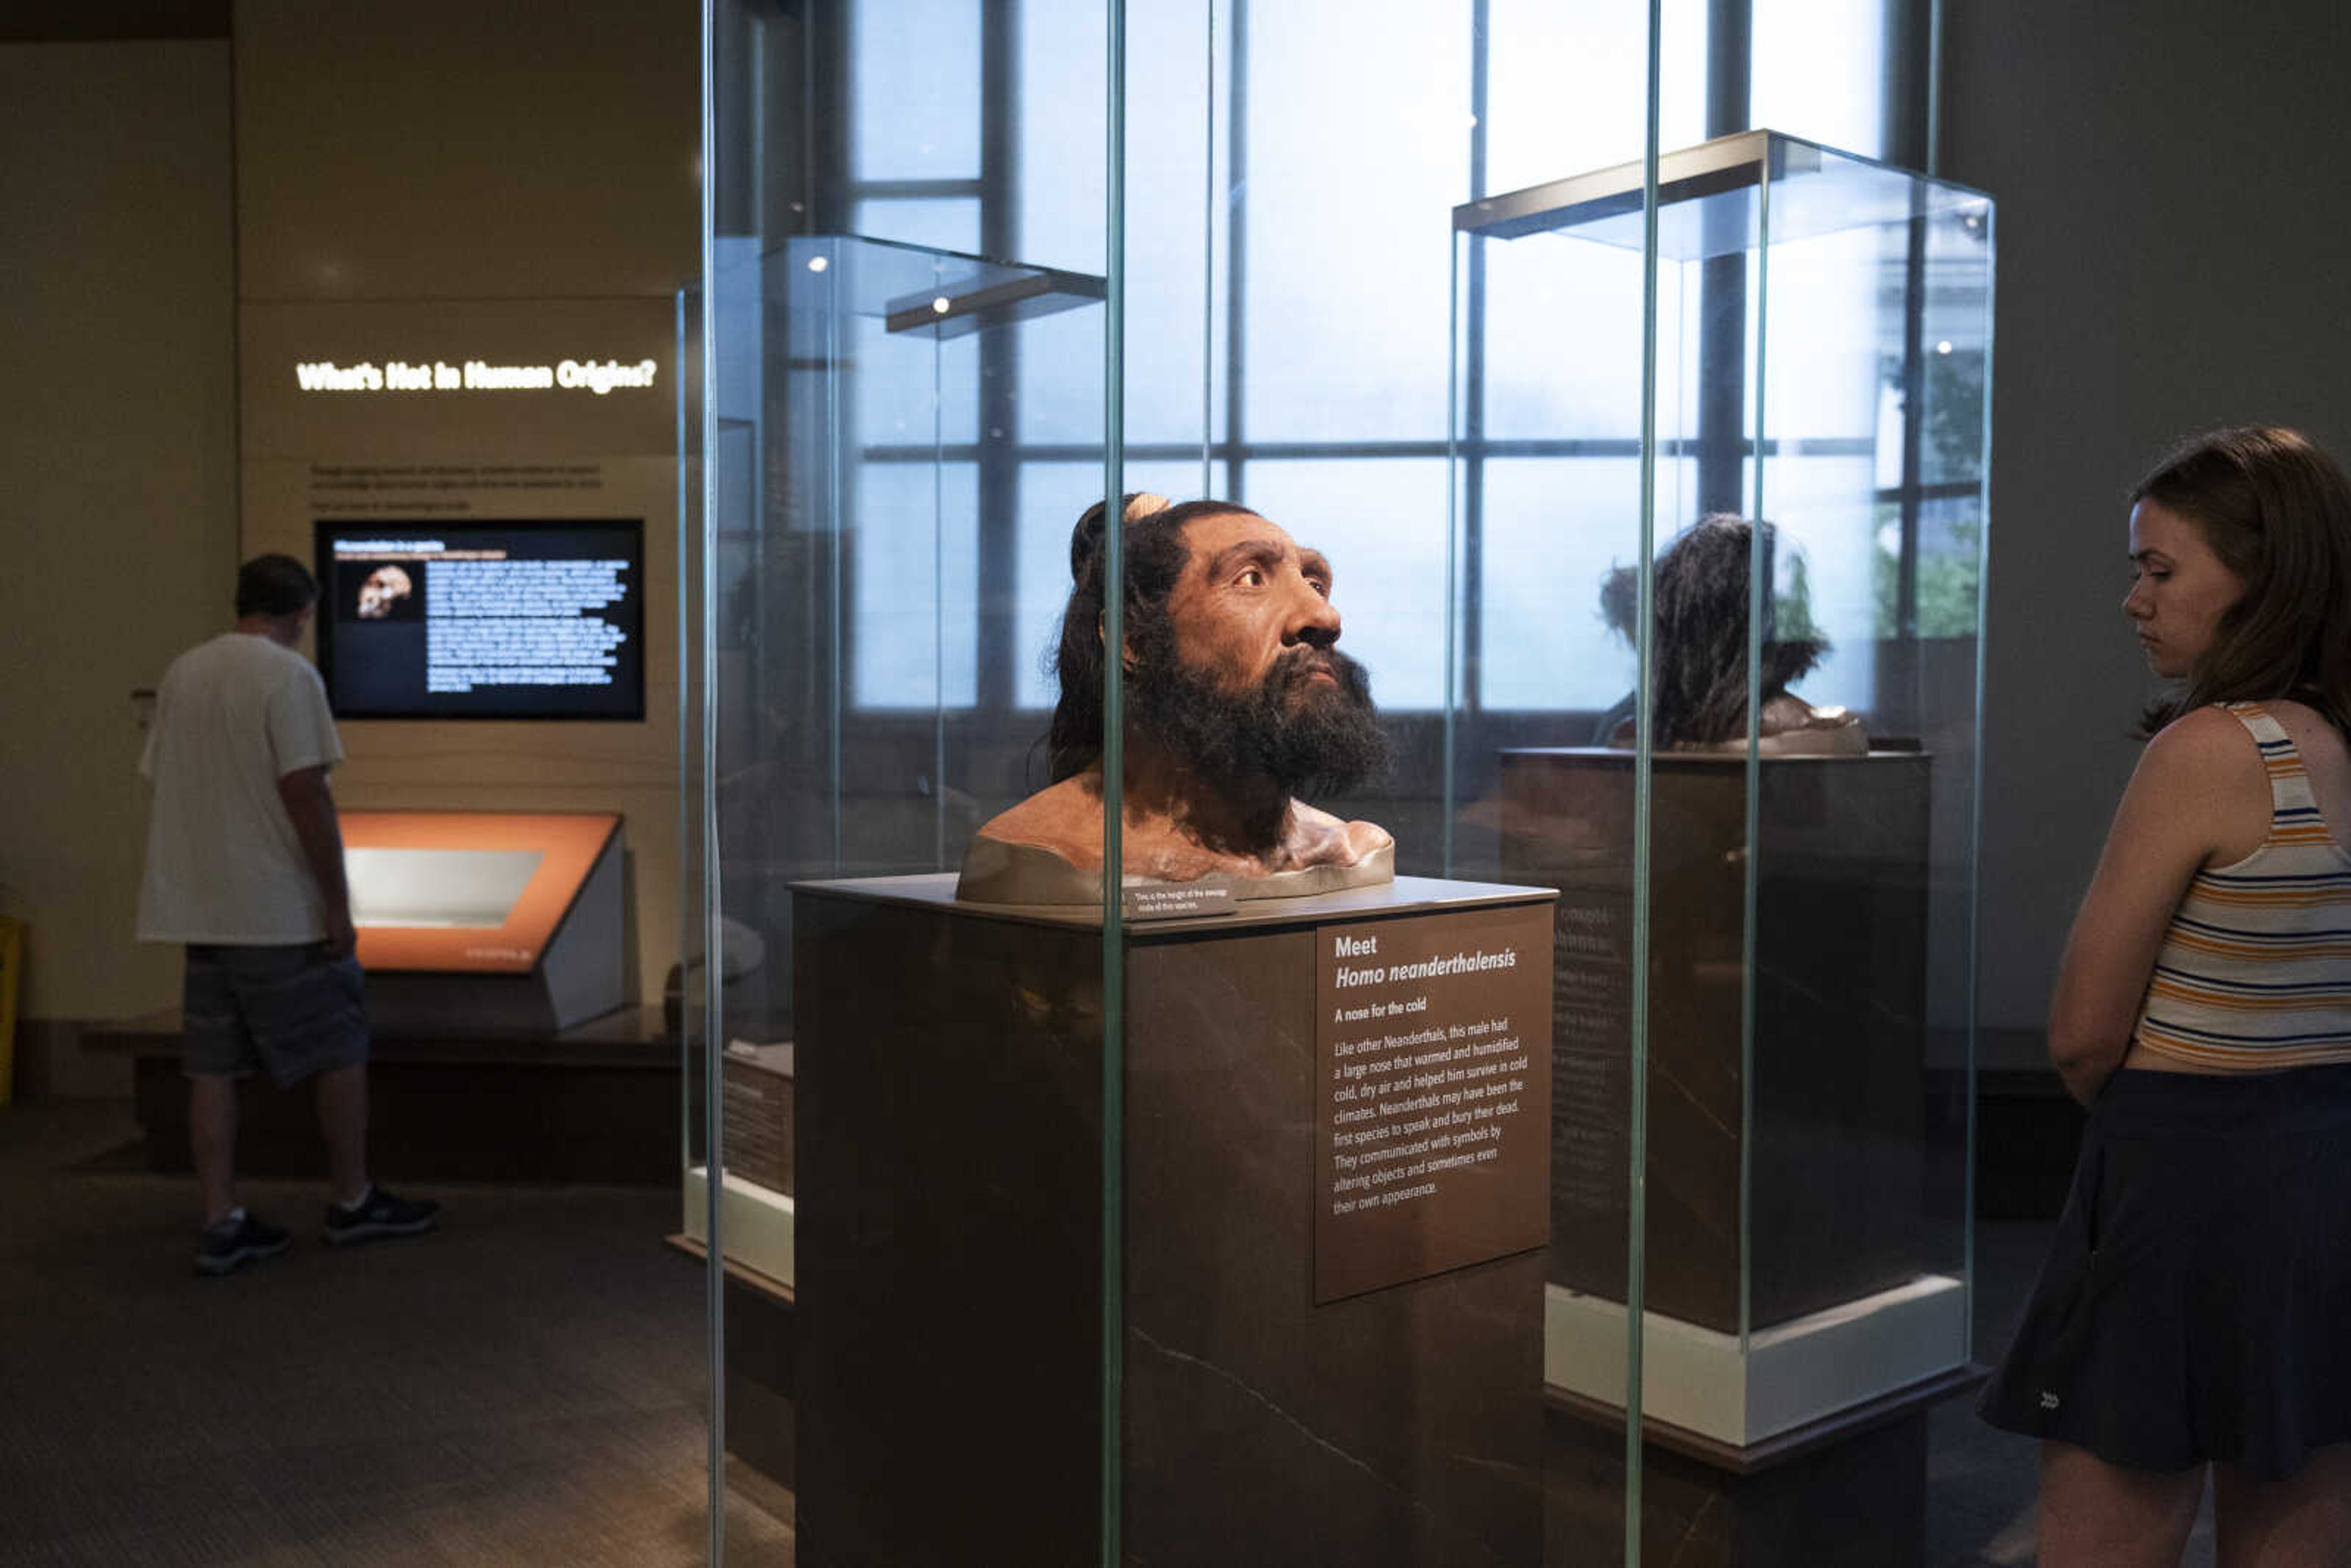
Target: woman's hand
2199 796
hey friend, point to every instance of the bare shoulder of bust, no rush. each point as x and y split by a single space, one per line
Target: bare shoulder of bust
1063 819
1320 838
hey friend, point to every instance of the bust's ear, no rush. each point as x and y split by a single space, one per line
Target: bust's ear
1127 661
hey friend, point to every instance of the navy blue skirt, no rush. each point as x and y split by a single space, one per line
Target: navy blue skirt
2196 1302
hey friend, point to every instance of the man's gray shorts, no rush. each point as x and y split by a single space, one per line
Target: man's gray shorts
289 1012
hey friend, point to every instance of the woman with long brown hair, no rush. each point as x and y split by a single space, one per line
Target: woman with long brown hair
2194 1313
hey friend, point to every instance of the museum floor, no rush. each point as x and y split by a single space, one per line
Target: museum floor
523 1387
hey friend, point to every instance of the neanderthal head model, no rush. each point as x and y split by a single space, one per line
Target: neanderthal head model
1703 595
1237 702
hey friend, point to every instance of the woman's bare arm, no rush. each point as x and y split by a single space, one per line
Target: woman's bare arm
2191 802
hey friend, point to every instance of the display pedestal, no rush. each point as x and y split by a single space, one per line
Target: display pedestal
1820 1112
1845 1493
1788 1185
949 1270
595 1102
756 1217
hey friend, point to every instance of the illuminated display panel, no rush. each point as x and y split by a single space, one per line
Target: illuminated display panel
466 891
441 620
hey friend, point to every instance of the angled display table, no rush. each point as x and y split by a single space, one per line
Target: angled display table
495 951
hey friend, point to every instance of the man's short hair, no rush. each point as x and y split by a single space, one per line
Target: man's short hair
275 585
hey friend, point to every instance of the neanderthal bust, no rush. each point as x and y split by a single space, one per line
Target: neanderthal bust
1236 703
1701 601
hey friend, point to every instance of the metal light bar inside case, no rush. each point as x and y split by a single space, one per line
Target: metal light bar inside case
1709 169
956 308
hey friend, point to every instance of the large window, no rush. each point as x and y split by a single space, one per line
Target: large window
1289 183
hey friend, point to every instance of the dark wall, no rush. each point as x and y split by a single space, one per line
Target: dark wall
2175 245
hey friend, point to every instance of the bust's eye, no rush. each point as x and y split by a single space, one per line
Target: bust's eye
1251 577
1321 586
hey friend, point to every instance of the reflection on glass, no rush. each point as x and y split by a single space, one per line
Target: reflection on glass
1701 696
1810 871
915 638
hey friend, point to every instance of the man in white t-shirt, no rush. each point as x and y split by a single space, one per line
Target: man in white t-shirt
244 865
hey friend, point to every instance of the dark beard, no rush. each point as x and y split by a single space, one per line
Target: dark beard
1302 739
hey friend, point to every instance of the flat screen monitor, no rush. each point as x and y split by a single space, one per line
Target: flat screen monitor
481 620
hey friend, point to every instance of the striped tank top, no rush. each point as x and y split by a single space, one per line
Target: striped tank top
2255 972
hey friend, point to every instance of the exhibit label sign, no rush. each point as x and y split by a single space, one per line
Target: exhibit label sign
1433 1095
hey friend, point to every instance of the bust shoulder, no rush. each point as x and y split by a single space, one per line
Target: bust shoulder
1063 819
1319 838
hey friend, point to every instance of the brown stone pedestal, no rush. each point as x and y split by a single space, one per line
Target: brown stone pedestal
597 1102
1788 1096
1849 1491
950 1285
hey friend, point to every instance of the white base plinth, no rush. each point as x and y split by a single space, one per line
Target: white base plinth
755 1223
1788 1374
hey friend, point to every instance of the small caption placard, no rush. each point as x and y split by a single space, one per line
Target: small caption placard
1178 902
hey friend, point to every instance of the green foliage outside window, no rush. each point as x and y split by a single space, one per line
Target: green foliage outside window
1950 567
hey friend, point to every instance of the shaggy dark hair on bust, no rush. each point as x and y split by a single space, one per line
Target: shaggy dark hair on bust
1155 554
2277 511
1702 602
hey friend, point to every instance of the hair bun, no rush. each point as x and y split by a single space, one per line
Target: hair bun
1086 538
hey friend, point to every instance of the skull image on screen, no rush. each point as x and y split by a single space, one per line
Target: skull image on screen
384 586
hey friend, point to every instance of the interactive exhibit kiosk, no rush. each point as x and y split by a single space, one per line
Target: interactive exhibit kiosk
1333 1264
495 943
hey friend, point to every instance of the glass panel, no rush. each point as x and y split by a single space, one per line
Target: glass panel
1544 778
1808 872
1820 71
917 90
1548 640
926 1074
1540 775
1381 523
1334 1071
1353 127
913 625
1568 90
938 222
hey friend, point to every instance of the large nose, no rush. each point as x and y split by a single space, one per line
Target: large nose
1313 620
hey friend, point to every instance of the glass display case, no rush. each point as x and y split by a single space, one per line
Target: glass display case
1168 1106
1765 849
849 737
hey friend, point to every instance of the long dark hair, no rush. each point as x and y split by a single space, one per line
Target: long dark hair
1700 591
1155 554
2277 511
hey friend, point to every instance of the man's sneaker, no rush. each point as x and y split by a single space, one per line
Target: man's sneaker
231 1244
380 1213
